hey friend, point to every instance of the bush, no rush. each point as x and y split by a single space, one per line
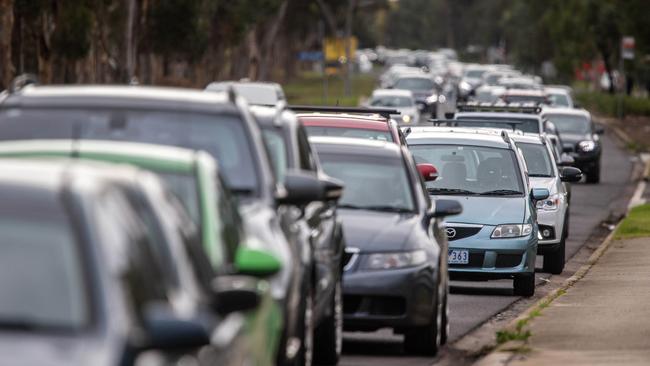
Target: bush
607 104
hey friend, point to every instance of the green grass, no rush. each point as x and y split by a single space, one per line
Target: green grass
636 224
607 104
308 89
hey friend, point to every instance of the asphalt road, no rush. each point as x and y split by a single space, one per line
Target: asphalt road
472 303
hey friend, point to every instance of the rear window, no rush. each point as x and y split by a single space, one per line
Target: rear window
537 159
530 125
223 136
350 132
41 274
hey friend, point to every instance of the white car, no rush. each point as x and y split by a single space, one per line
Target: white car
559 97
399 99
553 212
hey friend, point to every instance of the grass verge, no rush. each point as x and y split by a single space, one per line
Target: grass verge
636 224
309 88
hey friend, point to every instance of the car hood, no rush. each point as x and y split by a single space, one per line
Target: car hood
489 210
422 94
373 231
544 182
570 139
25 349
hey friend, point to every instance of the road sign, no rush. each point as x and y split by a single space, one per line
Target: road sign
310 56
335 49
627 48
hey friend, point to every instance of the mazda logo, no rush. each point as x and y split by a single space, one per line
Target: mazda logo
451 232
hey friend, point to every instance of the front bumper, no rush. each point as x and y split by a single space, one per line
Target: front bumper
494 258
396 298
586 161
553 222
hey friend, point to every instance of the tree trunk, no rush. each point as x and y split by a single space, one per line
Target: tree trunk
348 51
6 30
130 41
269 41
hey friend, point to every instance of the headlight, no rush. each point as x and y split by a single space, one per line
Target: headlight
442 98
586 146
549 204
433 98
395 260
511 231
465 86
406 118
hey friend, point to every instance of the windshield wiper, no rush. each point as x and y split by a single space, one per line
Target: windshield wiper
500 192
449 191
539 175
385 208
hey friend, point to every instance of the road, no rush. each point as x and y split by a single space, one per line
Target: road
471 303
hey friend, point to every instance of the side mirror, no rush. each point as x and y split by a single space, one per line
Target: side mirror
539 194
566 160
570 174
299 189
166 330
599 130
254 262
235 293
332 188
446 208
428 172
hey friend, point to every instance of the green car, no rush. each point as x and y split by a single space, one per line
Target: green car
194 178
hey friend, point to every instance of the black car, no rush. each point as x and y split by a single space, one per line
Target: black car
289 148
89 276
396 255
216 122
580 139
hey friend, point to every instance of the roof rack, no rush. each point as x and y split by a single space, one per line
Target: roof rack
384 112
22 81
505 137
476 123
530 107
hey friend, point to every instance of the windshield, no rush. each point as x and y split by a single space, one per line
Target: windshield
564 123
370 182
493 79
350 132
277 151
471 169
223 136
414 84
391 101
185 188
537 159
559 100
529 125
474 74
41 276
524 99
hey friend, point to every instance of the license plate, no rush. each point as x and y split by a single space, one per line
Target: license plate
458 256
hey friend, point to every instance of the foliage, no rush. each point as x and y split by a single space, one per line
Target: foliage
636 224
308 89
608 104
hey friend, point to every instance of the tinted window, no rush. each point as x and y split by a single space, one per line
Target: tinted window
537 160
570 124
349 132
476 74
471 169
185 187
277 151
391 101
530 125
370 181
559 100
221 135
41 275
414 84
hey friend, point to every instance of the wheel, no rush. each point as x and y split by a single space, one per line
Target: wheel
554 262
524 285
594 175
426 340
306 352
329 333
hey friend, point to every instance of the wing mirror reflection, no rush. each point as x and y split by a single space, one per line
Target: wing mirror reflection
428 172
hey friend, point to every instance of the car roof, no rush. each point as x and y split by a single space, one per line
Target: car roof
367 122
498 115
355 146
487 137
107 96
556 90
529 138
149 156
525 92
566 111
392 92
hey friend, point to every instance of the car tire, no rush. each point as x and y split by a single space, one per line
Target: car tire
524 285
327 351
593 176
306 352
444 329
554 262
426 339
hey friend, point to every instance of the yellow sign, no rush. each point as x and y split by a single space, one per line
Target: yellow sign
334 49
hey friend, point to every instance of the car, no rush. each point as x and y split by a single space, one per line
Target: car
553 212
363 123
395 268
112 268
255 92
496 235
581 138
559 96
320 227
471 79
527 116
398 99
492 78
525 96
216 122
525 82
428 94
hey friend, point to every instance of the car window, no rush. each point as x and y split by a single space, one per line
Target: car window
370 181
391 101
537 159
223 136
349 132
307 159
185 187
41 273
528 125
559 100
571 124
471 169
277 151
414 84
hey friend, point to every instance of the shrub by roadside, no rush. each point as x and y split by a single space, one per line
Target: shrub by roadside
636 224
607 104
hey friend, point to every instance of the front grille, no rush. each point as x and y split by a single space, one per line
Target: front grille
507 260
460 232
475 260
